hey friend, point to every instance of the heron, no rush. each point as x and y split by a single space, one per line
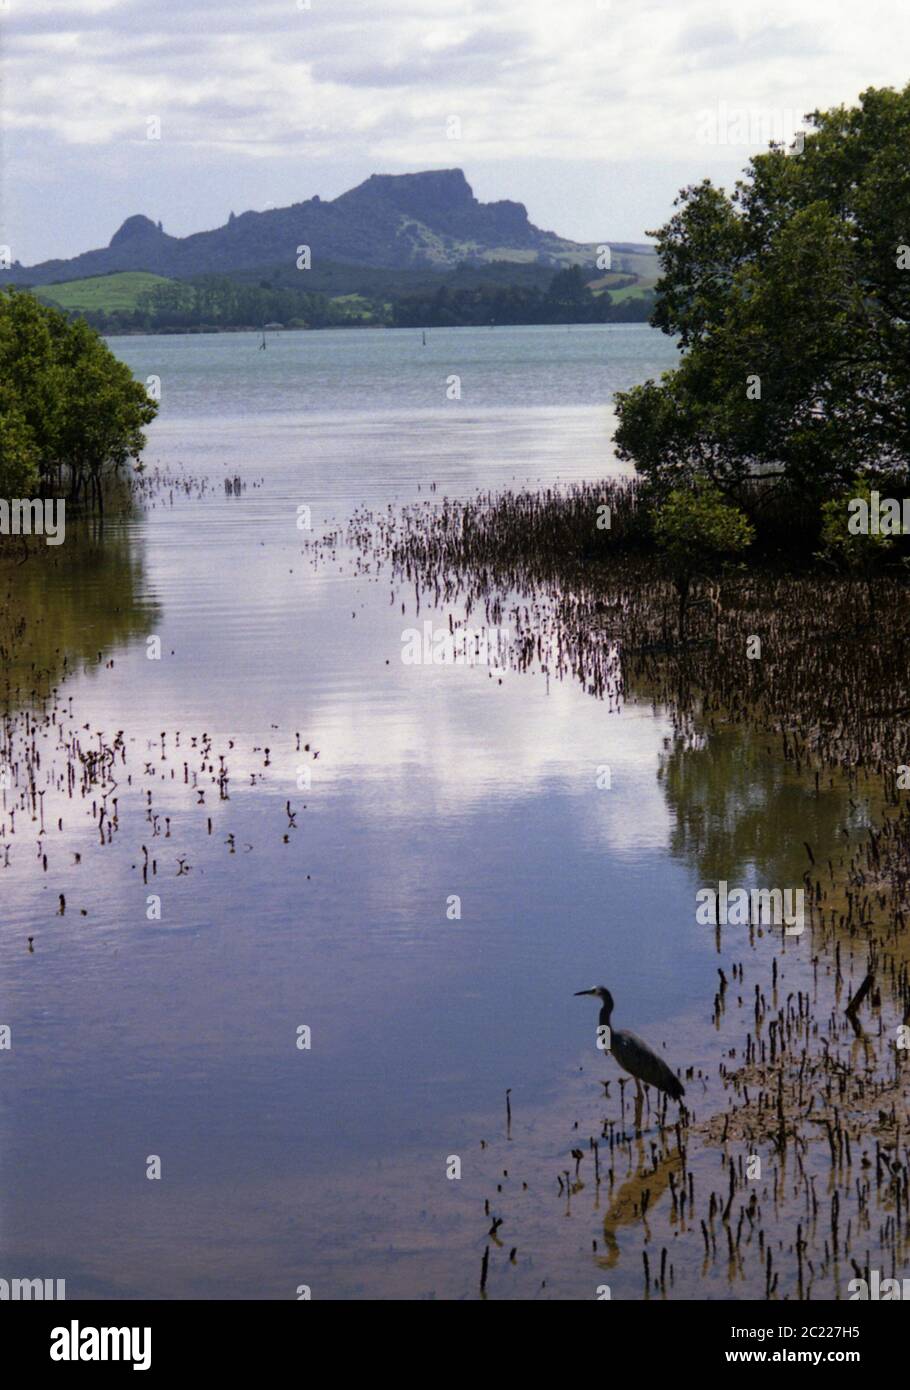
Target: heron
632 1053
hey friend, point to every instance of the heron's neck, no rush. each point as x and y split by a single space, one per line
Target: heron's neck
606 1011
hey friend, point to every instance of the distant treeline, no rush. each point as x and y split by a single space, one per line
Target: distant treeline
218 303
567 300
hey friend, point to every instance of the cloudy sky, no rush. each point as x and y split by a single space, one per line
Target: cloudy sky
591 112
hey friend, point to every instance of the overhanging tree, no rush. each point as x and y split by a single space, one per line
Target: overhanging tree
695 527
69 409
791 303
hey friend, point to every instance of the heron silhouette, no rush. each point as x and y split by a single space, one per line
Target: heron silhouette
632 1053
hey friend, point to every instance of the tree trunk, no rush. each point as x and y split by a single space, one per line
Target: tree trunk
682 586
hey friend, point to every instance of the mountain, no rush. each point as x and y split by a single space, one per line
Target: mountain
394 221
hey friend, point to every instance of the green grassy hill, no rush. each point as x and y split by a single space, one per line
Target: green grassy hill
626 292
645 265
107 293
340 295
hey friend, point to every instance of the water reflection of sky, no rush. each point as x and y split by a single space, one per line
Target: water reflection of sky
177 1037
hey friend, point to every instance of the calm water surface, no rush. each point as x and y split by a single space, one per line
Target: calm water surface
177 1037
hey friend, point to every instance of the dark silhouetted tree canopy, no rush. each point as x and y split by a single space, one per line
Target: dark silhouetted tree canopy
791 302
68 407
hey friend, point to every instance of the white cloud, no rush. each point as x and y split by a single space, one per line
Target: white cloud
541 88
528 77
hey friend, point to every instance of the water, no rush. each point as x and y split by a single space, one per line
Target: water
137 1036
369 371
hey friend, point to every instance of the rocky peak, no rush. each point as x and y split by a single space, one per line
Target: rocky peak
425 196
136 228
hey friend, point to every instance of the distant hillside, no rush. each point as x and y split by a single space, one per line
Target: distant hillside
126 291
494 292
108 293
427 220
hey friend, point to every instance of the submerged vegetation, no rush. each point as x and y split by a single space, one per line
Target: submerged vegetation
727 585
789 1175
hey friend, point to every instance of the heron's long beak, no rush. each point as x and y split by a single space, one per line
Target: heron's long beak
580 992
